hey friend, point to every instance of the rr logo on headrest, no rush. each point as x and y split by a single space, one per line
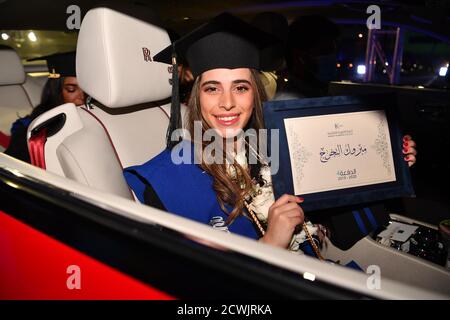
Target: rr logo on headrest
147 56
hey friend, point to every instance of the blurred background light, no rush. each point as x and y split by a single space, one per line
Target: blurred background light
361 69
32 36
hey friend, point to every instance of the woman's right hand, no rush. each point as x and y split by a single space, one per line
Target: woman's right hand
284 215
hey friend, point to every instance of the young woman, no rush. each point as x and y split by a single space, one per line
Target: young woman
228 193
61 87
227 97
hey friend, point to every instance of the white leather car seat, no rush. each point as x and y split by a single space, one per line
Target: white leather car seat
115 66
34 87
127 123
14 100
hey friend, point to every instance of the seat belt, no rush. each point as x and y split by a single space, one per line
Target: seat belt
4 140
36 146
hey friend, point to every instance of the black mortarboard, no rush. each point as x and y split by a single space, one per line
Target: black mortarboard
60 64
224 42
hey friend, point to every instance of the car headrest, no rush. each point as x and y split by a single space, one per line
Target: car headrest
11 67
114 61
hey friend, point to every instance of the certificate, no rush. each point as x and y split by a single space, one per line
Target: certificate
338 151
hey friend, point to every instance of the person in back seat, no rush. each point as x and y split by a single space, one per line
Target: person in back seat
61 87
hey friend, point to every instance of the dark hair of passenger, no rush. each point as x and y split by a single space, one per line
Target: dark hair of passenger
51 97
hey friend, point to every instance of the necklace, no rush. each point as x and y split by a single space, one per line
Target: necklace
255 219
313 244
257 222
263 232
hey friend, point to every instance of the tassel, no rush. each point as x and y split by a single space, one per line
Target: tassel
175 113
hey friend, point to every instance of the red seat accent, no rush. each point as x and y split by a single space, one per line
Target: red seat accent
36 146
4 140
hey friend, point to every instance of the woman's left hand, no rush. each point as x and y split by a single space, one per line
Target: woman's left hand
409 150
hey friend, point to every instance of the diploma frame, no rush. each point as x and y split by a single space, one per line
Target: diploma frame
276 111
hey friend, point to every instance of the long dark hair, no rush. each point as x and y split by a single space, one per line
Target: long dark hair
51 97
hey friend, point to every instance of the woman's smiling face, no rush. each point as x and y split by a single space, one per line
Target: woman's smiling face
226 99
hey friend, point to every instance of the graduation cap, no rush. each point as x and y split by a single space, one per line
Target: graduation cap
60 64
224 42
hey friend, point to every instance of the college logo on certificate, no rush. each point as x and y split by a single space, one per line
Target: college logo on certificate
337 151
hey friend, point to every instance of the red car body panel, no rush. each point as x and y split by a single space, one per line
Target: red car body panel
36 266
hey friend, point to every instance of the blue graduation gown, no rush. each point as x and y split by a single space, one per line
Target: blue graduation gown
184 189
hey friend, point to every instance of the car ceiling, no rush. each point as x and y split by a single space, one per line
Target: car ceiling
51 15
182 15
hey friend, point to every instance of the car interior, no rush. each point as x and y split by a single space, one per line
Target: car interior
124 123
19 93
113 71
